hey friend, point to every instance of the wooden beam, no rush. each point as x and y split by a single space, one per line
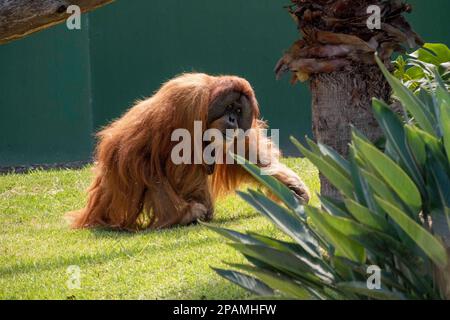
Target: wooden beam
19 18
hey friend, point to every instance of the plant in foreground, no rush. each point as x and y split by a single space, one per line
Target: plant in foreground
418 71
394 213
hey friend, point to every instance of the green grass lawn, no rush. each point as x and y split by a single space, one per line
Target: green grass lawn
37 247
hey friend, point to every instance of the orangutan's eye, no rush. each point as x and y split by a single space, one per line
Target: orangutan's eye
239 110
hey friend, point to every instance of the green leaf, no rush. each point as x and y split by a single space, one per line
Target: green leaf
416 144
232 235
441 178
391 173
379 187
387 278
286 262
431 246
340 163
415 72
281 283
392 127
435 53
276 187
361 288
444 110
442 92
340 181
284 220
432 143
441 190
367 217
365 236
333 206
247 282
349 248
400 66
288 247
358 183
330 156
423 117
427 99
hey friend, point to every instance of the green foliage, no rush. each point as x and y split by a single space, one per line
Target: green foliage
418 70
394 211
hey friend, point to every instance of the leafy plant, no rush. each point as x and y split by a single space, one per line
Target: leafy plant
418 71
394 213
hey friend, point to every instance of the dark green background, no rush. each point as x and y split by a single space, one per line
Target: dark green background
58 86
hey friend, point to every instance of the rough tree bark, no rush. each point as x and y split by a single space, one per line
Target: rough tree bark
336 54
19 18
343 98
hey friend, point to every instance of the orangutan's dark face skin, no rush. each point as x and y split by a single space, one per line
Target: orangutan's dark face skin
230 110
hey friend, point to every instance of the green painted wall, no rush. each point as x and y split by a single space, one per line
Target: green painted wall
170 37
57 85
45 110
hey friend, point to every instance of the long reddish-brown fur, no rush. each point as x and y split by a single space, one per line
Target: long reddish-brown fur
137 185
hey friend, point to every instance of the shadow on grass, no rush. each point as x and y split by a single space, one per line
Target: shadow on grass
83 260
214 288
228 219
119 251
195 226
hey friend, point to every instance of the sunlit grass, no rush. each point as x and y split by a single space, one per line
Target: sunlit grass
36 246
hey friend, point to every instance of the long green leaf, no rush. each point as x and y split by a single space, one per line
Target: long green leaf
387 278
281 283
247 282
333 206
358 182
289 247
349 248
367 217
233 235
286 261
441 218
366 236
392 127
362 289
444 110
331 156
433 143
379 187
416 144
340 181
284 220
431 246
423 117
392 174
276 187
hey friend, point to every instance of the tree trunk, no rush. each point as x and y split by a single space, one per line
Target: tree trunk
341 99
336 54
21 18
